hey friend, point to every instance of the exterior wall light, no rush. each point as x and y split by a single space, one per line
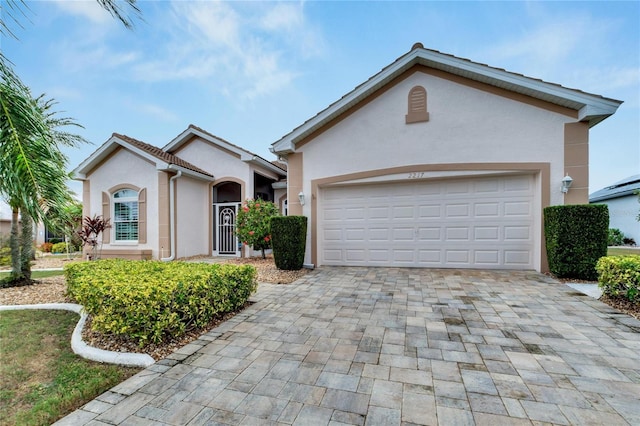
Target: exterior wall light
566 184
301 198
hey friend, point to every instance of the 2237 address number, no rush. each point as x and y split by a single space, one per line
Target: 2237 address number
416 175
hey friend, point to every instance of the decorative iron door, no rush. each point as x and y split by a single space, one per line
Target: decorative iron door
224 229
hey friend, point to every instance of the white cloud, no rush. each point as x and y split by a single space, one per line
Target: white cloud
155 111
608 79
283 16
551 46
243 50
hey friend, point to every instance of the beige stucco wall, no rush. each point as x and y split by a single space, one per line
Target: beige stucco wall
221 163
192 217
466 125
121 168
218 162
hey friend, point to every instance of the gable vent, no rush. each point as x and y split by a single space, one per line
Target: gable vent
417 105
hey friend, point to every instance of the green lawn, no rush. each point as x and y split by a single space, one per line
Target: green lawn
617 251
41 379
35 274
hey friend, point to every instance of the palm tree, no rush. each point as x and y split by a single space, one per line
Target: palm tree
32 167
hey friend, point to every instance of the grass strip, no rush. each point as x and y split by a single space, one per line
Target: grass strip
41 379
36 275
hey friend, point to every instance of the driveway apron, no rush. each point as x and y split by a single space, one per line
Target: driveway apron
390 346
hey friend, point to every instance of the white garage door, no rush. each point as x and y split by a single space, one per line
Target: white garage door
481 222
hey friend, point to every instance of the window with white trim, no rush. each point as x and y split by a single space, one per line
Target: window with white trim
125 215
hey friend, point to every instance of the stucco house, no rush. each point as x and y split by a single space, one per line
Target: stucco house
177 201
439 161
622 200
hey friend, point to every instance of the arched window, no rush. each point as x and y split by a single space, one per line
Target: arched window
125 215
417 105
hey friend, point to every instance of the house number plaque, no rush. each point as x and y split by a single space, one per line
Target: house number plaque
416 175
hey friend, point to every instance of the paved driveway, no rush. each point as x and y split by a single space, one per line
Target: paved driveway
396 346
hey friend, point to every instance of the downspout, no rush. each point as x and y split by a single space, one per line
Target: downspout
172 218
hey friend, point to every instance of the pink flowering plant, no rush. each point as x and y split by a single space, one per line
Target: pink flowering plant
252 226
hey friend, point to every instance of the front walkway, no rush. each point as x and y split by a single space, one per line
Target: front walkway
396 346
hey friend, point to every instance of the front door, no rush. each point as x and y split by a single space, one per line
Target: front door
225 241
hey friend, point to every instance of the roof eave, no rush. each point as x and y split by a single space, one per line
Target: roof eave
170 167
81 171
256 159
191 131
591 108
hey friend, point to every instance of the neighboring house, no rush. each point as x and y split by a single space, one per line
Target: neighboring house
178 201
5 220
41 233
438 161
622 199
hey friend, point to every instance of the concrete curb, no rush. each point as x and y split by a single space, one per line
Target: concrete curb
80 347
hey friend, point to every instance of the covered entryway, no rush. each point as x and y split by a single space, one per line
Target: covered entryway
226 203
472 222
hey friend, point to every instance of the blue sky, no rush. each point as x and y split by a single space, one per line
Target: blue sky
250 72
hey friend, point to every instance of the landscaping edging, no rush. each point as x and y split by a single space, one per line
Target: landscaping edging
79 347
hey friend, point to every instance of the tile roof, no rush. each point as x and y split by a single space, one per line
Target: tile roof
160 154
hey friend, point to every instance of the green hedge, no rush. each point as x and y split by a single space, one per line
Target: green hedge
576 237
289 237
149 300
620 276
59 248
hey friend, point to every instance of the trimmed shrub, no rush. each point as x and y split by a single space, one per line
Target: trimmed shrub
149 300
576 237
289 237
616 237
5 252
46 247
620 276
59 248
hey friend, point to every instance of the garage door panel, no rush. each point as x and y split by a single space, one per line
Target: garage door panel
379 212
517 208
518 258
357 255
358 235
433 256
430 211
457 187
403 256
517 233
429 234
486 233
487 258
457 233
402 212
379 234
522 184
487 210
403 234
457 210
487 186
457 257
479 222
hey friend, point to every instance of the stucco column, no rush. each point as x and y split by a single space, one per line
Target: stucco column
294 183
576 162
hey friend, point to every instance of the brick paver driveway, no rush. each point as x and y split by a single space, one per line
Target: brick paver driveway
396 346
